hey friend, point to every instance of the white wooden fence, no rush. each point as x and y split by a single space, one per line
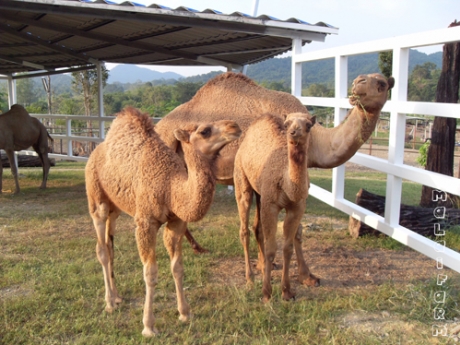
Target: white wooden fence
394 167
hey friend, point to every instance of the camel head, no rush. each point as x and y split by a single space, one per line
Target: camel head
209 138
370 91
298 126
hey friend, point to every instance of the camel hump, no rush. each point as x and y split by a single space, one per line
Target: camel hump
136 119
228 79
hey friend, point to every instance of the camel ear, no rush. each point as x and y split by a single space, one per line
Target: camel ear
182 135
313 120
391 83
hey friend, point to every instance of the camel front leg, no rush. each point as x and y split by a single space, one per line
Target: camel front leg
292 220
268 217
14 169
305 276
146 233
243 194
172 237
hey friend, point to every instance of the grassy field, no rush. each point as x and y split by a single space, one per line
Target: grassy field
373 290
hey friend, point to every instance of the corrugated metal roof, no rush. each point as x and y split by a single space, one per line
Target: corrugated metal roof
39 35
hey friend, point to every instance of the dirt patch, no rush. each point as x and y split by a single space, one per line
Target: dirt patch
14 291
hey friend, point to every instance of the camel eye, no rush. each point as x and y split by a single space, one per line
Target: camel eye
206 132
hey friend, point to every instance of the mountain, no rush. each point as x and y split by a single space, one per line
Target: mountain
134 74
322 71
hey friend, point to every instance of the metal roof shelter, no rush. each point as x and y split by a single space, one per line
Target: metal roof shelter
48 35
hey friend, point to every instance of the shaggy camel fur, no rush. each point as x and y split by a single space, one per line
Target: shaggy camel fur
234 96
272 162
19 131
135 172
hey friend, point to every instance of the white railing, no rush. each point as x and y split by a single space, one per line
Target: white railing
394 167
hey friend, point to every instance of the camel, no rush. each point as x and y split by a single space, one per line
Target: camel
134 172
235 96
19 131
271 162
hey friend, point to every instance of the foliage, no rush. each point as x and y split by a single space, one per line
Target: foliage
386 63
423 82
423 153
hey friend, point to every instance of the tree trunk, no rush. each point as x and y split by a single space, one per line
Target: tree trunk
440 156
418 219
25 161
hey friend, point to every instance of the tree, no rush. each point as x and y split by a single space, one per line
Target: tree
440 156
423 83
27 91
86 83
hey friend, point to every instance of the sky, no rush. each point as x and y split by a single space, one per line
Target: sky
357 20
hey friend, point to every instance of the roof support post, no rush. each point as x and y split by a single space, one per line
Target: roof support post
100 99
12 94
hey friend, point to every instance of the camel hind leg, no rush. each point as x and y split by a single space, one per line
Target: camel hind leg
41 147
104 223
243 194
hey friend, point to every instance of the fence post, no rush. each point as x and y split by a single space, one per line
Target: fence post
341 81
69 133
397 134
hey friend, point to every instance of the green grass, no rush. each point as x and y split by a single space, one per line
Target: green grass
52 291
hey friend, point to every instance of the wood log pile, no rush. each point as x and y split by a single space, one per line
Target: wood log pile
25 161
418 219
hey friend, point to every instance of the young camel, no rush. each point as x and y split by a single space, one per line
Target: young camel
272 163
19 131
135 172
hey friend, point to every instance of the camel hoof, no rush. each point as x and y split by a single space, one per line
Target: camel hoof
311 280
148 332
266 299
110 309
185 318
200 250
288 296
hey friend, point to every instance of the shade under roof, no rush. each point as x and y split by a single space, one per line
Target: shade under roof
38 35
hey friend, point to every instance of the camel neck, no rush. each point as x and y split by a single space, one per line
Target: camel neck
195 193
296 182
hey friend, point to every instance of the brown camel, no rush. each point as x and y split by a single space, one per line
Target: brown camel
272 162
234 96
135 172
19 131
